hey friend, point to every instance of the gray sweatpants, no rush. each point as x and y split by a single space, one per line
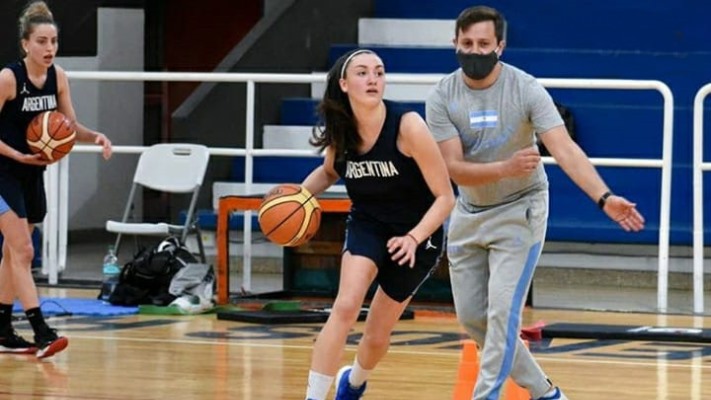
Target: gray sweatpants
493 253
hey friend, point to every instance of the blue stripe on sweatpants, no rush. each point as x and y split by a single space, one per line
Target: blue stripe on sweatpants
515 319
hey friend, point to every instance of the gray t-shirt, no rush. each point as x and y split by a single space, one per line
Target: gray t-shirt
493 124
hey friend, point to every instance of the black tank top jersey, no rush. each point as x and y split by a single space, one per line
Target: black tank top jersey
384 184
17 113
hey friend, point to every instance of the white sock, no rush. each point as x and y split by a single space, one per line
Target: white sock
358 375
318 386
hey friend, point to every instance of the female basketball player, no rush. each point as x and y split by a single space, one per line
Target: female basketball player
401 195
28 87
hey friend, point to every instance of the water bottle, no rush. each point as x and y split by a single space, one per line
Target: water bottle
111 271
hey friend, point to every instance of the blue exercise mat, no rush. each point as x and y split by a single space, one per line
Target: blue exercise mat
64 306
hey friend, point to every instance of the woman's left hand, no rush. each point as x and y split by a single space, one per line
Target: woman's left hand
402 249
104 142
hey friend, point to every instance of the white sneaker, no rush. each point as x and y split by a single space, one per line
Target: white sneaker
556 395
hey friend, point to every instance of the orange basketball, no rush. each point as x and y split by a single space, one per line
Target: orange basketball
49 135
289 215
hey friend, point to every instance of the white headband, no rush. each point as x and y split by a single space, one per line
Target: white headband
348 60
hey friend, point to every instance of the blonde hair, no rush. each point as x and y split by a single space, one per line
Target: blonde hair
36 12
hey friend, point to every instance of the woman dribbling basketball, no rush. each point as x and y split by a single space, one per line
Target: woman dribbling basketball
401 195
28 87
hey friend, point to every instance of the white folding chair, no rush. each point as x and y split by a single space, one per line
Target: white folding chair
169 168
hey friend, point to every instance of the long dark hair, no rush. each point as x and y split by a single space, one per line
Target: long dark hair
338 127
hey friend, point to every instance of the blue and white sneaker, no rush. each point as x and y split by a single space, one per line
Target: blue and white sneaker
344 390
556 395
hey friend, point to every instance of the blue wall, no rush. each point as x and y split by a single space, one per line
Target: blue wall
634 25
655 40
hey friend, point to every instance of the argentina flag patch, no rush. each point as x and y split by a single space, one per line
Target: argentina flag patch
483 119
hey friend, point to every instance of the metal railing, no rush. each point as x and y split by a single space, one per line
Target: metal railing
56 224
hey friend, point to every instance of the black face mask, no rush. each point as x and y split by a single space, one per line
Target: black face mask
477 66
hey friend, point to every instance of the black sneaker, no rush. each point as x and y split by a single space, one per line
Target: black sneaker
49 344
11 342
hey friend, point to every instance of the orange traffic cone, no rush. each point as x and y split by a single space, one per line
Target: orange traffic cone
468 371
515 392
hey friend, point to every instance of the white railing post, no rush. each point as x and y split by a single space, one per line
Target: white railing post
63 226
665 204
698 183
51 224
248 176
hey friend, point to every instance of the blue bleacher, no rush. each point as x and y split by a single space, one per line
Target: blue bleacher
272 169
559 39
622 25
265 170
295 110
298 111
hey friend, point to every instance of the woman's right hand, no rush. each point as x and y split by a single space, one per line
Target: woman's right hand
402 249
32 159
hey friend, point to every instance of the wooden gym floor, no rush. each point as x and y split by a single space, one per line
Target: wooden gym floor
200 357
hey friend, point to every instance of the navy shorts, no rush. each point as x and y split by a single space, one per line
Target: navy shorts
4 207
24 193
369 239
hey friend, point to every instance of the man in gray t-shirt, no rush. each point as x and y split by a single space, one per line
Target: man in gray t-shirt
485 117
